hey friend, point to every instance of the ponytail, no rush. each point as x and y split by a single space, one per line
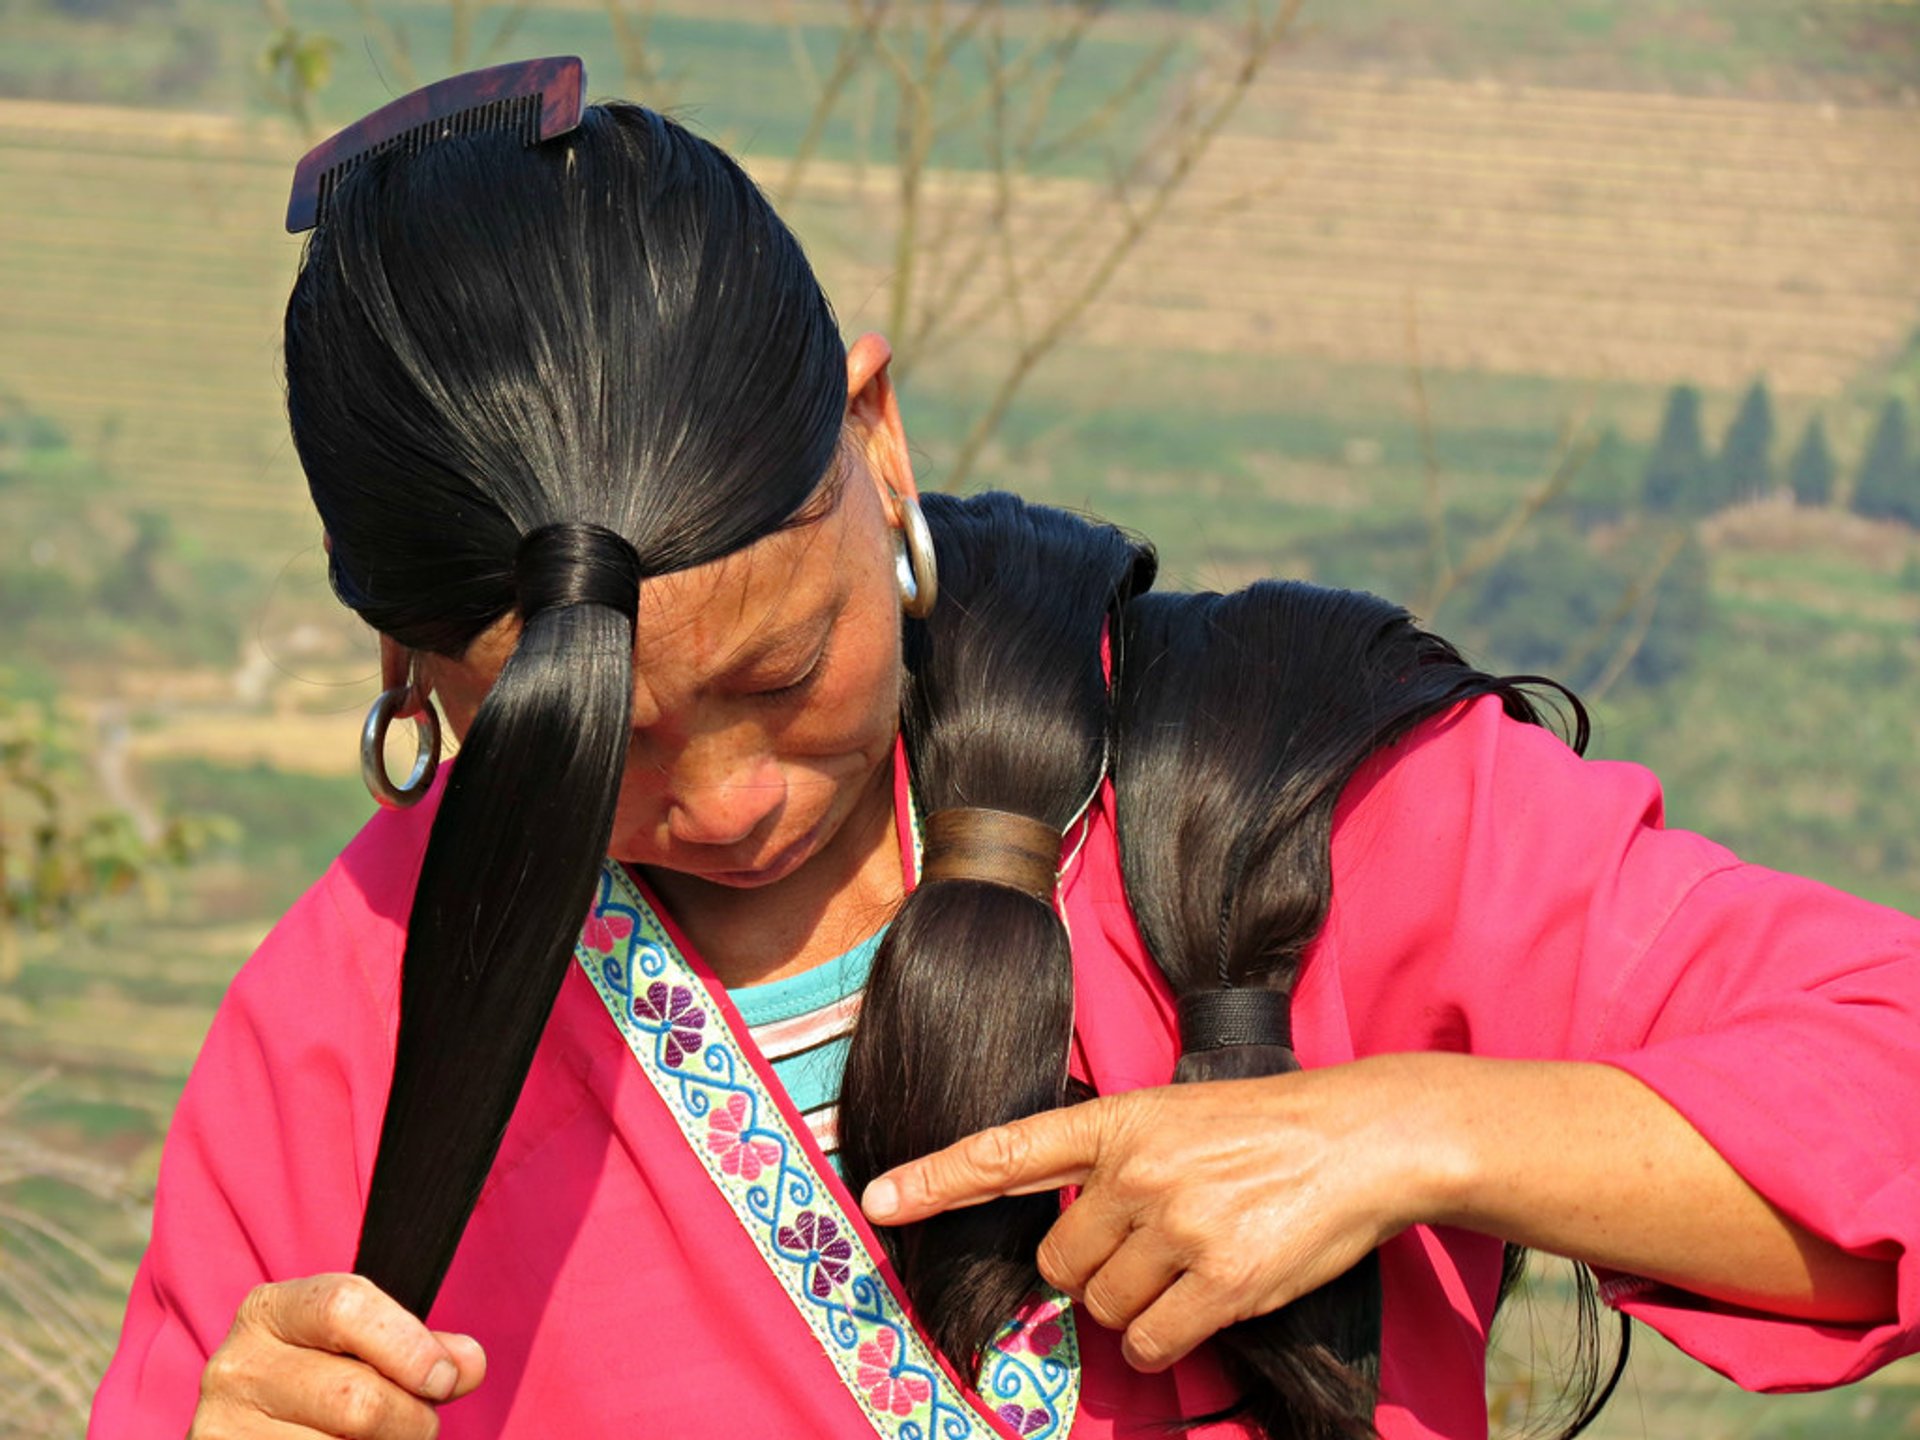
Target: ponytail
969 1008
1240 719
484 961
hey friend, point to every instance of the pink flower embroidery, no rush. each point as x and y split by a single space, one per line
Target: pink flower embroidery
740 1154
829 1249
672 1007
896 1394
1021 1420
1037 1332
604 930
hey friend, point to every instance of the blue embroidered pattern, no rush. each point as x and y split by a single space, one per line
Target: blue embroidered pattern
1031 1376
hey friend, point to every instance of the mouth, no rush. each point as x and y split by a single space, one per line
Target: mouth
781 865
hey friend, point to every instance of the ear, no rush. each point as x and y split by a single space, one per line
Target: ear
396 670
873 417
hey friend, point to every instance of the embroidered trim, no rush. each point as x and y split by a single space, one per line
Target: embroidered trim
1031 1376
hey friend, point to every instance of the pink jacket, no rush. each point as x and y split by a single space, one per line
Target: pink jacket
1492 894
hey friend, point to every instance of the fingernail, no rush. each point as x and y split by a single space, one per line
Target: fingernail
882 1198
440 1380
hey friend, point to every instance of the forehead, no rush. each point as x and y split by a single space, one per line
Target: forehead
694 623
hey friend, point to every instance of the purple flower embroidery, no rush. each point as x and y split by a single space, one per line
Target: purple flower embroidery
673 1007
1021 1420
819 1235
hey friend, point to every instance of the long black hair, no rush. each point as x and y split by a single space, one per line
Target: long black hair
491 400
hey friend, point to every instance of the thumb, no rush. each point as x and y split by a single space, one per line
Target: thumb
468 1358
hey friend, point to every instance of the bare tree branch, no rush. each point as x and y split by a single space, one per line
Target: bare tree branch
508 27
394 50
864 18
1640 600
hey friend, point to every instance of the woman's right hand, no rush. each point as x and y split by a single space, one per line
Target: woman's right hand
331 1355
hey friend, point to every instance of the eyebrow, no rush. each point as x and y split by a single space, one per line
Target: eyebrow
773 640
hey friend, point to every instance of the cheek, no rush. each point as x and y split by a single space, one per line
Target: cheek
856 705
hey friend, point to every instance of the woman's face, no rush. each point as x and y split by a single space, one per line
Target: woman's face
767 683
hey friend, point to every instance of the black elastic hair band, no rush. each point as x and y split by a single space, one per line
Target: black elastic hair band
576 564
1218 1019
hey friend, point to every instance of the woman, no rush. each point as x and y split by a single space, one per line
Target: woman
593 462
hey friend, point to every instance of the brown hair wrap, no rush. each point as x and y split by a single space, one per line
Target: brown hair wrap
1218 1019
995 847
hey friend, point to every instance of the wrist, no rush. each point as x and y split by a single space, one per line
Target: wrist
1439 1136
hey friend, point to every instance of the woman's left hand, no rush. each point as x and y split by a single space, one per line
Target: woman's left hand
1199 1204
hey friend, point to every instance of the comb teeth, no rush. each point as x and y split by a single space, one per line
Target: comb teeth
518 117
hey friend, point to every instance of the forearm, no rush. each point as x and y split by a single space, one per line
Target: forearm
1585 1161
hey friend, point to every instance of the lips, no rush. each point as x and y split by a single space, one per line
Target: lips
778 868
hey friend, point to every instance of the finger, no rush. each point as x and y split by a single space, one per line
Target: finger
1169 1329
350 1315
217 1422
1041 1152
1081 1241
468 1358
339 1396
1137 1275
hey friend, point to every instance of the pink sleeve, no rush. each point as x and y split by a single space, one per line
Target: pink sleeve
266 1163
1496 894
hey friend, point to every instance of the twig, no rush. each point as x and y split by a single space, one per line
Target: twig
393 46
1435 501
1641 596
856 42
1261 43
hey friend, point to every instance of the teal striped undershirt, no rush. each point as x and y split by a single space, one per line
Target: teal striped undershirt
811 1066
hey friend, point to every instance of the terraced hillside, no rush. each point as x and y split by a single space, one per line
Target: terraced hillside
1549 232
1564 233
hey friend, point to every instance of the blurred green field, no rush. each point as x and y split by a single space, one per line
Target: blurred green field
1435 250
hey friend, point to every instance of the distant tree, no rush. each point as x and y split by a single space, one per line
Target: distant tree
1810 472
1884 488
1607 482
1678 476
1744 470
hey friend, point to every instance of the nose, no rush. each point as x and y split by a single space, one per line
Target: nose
715 799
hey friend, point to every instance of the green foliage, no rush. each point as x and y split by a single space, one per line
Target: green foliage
1560 605
285 827
295 67
1744 468
1606 485
61 855
1810 473
1887 487
1678 478
83 580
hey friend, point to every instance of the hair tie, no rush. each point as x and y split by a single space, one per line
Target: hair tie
571 563
1220 1019
995 847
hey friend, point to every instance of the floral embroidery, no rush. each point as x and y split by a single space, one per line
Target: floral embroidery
740 1153
1021 1420
1038 1334
672 1008
1031 1373
604 930
826 1247
899 1393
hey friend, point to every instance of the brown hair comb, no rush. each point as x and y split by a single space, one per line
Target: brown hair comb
534 99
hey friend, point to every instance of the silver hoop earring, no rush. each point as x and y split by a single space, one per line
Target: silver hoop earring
913 562
373 750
